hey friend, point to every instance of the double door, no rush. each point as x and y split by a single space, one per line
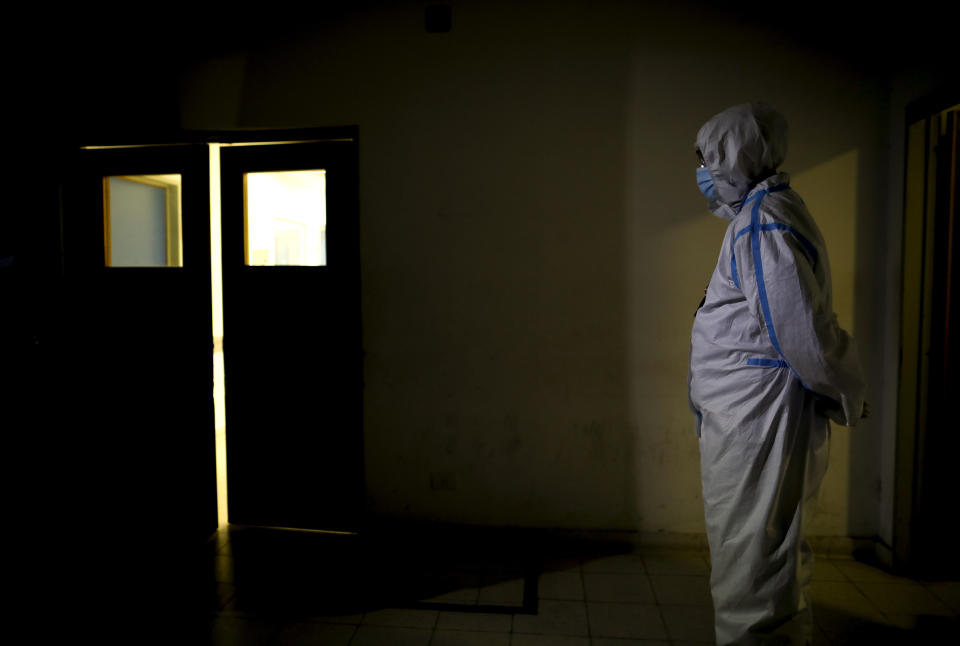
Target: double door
136 223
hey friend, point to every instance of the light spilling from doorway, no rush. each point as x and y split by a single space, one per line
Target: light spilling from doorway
216 278
285 224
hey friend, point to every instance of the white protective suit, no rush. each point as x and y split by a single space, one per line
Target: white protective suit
768 361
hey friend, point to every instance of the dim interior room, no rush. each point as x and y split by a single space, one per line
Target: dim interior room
533 247
532 243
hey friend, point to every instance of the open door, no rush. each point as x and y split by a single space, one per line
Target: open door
292 339
927 441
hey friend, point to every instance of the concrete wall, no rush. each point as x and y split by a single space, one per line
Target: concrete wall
534 246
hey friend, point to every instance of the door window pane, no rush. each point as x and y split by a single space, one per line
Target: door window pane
286 218
142 221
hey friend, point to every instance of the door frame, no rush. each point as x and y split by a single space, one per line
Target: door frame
918 320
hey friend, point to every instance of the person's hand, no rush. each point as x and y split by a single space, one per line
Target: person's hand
833 410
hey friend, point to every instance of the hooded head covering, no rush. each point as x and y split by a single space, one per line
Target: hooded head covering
742 146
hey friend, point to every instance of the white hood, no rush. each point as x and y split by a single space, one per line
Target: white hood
741 146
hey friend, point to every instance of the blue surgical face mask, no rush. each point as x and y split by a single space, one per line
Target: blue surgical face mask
705 183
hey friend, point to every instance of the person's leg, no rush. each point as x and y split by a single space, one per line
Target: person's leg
754 473
799 628
818 453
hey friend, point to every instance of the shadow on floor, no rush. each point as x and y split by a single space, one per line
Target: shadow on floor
528 584
842 629
310 574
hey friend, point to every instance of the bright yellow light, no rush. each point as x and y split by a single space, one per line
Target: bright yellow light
216 279
286 218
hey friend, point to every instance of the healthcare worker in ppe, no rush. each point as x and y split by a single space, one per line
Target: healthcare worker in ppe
768 366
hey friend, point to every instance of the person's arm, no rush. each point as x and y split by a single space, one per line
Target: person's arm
777 278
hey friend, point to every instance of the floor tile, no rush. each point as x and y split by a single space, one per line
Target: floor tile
222 595
401 618
826 570
241 631
561 585
383 635
904 622
626 620
502 593
845 597
820 638
314 634
223 569
857 571
599 600
469 638
926 629
620 564
548 640
230 613
463 595
554 618
872 634
674 589
621 588
903 599
948 593
676 562
476 621
560 564
934 630
842 609
689 623
339 619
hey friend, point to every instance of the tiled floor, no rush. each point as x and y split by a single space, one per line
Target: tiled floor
458 590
